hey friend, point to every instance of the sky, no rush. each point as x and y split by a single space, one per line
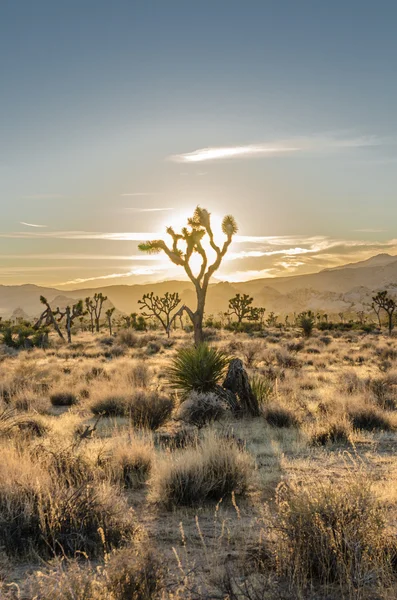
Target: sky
118 117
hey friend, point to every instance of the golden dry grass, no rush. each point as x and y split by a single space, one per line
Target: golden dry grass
235 509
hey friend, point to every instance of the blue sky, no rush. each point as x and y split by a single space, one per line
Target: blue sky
106 109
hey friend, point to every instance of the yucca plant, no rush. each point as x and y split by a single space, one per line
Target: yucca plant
198 368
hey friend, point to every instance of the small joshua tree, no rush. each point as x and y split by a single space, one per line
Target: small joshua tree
383 301
257 314
191 238
306 323
90 310
94 309
160 307
377 310
47 318
109 314
272 319
70 314
241 306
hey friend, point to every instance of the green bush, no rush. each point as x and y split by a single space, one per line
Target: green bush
197 369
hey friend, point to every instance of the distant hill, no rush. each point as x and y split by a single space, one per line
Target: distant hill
349 287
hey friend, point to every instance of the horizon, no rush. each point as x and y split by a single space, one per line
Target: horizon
118 121
78 287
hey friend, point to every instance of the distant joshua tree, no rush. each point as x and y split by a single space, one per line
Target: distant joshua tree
109 314
94 309
383 301
241 306
191 238
160 307
272 319
47 318
70 314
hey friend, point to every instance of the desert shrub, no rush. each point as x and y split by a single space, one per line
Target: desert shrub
139 375
210 471
370 418
63 399
384 390
30 425
197 368
286 360
66 464
334 432
111 405
200 408
68 579
176 437
296 346
330 533
130 463
127 337
153 348
40 514
144 408
262 388
280 416
149 409
136 573
251 352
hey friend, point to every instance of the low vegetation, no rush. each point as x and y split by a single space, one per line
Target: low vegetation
126 473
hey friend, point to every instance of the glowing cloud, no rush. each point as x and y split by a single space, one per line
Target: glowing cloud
229 152
32 224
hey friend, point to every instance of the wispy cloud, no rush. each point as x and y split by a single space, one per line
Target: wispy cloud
162 267
32 225
144 210
139 194
83 235
218 153
318 144
42 196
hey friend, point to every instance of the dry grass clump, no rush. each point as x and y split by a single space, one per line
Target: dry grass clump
127 337
12 423
136 573
149 409
210 471
336 431
41 514
111 405
262 388
332 534
145 408
200 409
133 573
280 416
370 418
63 398
130 462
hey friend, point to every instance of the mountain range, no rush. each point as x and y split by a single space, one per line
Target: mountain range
339 289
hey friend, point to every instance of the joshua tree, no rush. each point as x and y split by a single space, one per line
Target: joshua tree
382 300
109 314
306 322
94 309
160 307
257 314
48 318
377 308
191 237
70 314
90 310
241 306
272 320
